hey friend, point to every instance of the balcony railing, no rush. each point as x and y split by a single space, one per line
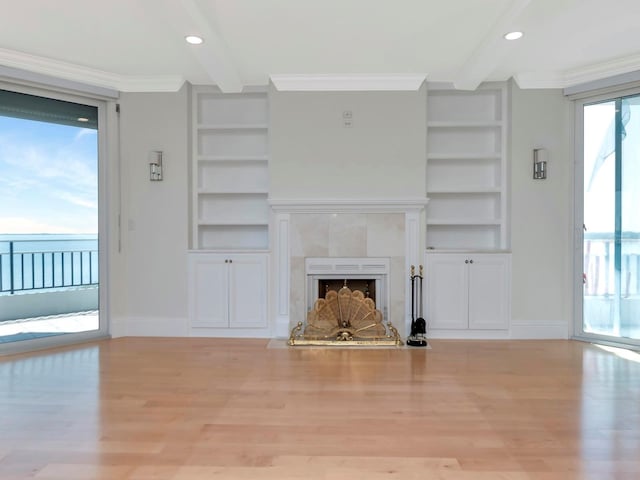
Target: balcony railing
41 264
600 269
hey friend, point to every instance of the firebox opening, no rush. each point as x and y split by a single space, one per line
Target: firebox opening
366 285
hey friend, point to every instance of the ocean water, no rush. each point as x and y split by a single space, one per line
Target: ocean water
46 242
39 261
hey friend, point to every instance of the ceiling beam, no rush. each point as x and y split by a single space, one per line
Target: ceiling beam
187 18
491 49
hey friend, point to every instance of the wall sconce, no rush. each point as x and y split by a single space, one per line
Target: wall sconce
540 160
155 166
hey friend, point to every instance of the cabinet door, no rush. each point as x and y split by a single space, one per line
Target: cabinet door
208 291
446 291
248 291
489 296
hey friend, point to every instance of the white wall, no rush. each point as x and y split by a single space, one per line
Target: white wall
308 142
541 214
381 156
313 156
152 263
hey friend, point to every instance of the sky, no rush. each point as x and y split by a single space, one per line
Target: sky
48 178
599 200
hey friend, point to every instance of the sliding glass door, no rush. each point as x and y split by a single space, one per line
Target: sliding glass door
50 256
611 219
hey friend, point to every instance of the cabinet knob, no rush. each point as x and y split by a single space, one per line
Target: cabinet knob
230 261
470 261
226 261
466 261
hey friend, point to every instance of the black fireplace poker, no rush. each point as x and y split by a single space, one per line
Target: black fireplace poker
418 337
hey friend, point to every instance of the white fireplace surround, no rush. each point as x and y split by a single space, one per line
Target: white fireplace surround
348 268
401 219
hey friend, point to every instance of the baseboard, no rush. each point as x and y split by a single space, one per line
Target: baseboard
230 332
179 327
468 334
148 327
282 330
519 330
541 330
117 326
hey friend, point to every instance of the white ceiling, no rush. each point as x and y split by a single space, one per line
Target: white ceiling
138 45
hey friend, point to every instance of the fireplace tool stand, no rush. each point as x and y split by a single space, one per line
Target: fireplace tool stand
418 337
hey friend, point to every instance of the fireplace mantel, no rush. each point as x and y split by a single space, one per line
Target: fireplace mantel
353 205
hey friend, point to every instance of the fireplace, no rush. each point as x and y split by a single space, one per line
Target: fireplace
344 231
346 303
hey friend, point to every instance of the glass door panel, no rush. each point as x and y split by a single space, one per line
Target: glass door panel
611 246
599 218
629 326
49 251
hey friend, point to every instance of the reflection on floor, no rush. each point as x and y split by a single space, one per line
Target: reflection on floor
29 328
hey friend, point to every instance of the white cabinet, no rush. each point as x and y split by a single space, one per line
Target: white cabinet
230 170
467 291
228 291
467 168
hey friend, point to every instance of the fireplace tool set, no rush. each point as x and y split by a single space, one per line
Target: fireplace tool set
418 337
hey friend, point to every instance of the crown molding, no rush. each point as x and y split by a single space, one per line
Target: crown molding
90 76
602 70
578 76
160 83
529 80
348 83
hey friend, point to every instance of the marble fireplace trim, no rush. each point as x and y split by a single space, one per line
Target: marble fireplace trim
281 271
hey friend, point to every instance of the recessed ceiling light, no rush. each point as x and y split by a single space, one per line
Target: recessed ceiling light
194 39
513 35
82 119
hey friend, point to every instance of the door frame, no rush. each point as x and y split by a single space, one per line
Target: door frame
106 132
580 101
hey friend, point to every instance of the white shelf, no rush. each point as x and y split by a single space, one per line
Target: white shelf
486 103
462 191
464 156
231 143
230 182
233 237
233 192
465 124
232 158
257 223
463 221
467 168
463 237
234 126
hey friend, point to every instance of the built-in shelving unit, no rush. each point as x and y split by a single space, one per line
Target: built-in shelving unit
230 170
467 168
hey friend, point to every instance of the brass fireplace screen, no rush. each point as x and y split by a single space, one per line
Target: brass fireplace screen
344 317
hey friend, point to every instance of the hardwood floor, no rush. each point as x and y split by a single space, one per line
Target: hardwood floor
187 409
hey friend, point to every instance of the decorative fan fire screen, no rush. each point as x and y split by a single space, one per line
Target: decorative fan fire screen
345 317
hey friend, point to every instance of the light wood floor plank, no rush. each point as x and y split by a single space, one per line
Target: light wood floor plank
188 409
